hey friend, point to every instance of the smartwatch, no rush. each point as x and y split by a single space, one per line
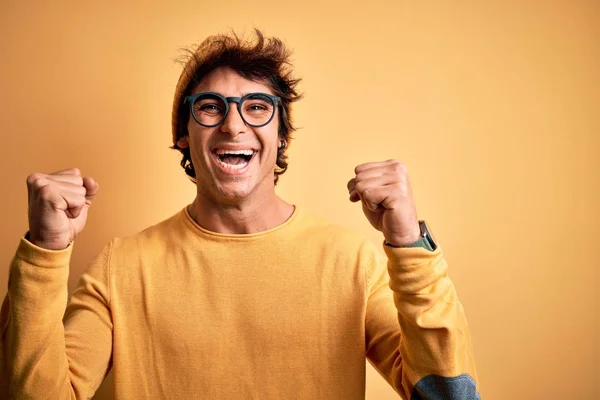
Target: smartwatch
426 240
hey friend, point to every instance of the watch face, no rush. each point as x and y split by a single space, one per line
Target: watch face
426 233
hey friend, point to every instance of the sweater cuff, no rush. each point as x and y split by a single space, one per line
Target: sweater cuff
413 269
40 257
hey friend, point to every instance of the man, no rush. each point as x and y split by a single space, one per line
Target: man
240 295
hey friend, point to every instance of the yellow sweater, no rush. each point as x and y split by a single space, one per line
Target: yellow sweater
179 312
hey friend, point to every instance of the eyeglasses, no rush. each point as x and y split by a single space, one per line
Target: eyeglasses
210 109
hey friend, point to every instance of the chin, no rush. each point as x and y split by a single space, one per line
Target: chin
235 190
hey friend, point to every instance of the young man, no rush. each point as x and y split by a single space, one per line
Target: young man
240 295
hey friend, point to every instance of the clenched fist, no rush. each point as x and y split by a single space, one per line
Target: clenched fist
58 207
387 200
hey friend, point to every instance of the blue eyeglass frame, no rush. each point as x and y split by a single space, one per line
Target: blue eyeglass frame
226 100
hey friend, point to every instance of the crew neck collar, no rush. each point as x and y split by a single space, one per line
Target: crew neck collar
240 236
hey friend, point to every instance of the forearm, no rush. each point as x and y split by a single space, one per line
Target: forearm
33 341
435 335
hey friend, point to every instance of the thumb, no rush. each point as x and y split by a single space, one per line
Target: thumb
91 187
79 223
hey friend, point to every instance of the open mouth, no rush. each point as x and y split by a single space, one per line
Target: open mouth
234 159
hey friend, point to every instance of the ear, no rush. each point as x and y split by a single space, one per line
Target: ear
183 142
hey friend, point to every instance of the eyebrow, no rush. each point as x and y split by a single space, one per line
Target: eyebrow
241 94
247 93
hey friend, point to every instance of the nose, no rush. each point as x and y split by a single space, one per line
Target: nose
233 124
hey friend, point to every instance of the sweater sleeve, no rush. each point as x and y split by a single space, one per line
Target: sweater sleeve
47 352
417 334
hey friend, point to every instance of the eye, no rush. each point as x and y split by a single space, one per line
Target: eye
256 107
210 107
258 104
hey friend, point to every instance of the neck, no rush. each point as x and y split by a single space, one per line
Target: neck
251 216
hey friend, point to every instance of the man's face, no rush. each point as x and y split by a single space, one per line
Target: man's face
221 175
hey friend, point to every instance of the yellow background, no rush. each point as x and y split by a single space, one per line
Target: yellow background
493 106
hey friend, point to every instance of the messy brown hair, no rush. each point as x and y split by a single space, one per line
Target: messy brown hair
260 59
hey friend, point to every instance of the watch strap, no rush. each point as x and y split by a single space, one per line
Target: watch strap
422 242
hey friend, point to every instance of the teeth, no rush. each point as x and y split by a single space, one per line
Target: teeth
246 152
230 166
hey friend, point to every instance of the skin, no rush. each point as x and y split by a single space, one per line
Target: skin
235 203
387 201
228 202
58 207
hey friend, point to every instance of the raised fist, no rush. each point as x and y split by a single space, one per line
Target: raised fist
388 203
58 207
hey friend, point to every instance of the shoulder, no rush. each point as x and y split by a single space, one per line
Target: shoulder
323 231
152 238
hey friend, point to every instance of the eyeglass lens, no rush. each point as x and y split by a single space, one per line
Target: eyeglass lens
256 109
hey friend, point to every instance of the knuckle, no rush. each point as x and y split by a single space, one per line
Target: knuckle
78 181
32 178
360 187
46 191
399 187
400 167
41 185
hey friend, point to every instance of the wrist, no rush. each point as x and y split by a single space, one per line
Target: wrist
46 244
403 241
423 239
